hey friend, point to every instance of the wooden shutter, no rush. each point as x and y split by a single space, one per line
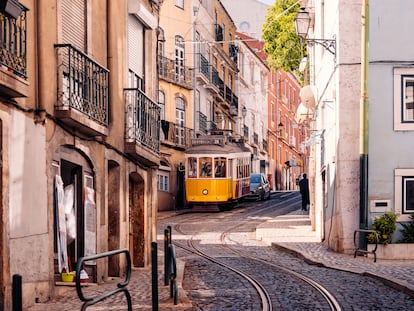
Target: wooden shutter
136 46
74 23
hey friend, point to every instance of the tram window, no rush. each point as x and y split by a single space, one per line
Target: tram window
205 167
220 167
192 167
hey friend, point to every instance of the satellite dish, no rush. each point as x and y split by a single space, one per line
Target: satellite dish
307 96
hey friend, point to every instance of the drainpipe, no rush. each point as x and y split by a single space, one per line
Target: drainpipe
363 201
40 112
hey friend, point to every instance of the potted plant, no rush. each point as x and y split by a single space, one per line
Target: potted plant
385 227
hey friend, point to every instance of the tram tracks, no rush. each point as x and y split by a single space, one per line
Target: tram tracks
269 300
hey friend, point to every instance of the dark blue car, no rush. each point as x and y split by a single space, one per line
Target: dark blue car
259 187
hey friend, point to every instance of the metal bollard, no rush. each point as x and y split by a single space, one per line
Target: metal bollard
17 293
154 264
167 242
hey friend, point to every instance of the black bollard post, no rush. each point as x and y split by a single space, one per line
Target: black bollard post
17 293
167 242
154 264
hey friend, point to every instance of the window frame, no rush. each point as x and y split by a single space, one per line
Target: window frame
400 176
179 4
163 186
400 76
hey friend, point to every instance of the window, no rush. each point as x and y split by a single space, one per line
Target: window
220 167
179 58
136 47
179 3
74 23
192 167
403 99
205 167
161 42
404 193
161 103
179 121
163 181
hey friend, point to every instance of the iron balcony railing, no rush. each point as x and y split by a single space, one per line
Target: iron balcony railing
82 84
204 67
142 120
202 122
13 42
175 134
169 71
211 125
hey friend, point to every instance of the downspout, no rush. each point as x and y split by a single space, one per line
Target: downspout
363 201
40 112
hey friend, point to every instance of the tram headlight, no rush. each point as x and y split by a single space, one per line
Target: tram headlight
205 191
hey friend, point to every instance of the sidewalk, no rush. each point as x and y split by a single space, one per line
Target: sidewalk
293 233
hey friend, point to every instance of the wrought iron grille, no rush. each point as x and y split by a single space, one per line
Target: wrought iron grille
168 70
204 67
202 122
82 84
13 43
142 120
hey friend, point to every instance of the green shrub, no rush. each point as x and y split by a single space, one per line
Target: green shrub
385 227
408 231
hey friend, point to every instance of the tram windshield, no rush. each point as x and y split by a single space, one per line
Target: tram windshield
205 167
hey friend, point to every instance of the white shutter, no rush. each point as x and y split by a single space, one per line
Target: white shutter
74 23
136 46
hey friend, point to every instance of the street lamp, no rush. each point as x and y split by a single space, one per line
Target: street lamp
302 23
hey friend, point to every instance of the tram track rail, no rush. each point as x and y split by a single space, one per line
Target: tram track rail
263 293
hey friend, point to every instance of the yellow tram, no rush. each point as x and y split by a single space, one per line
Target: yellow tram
217 172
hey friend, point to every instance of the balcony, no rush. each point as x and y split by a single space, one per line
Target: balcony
175 135
170 72
13 63
82 91
201 122
207 74
142 124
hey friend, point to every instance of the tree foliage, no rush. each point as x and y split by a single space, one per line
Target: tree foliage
282 45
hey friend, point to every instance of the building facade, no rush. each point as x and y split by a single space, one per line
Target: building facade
80 140
197 72
252 90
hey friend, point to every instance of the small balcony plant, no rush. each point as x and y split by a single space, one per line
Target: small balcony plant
385 226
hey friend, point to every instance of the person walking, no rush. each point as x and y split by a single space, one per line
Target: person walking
304 191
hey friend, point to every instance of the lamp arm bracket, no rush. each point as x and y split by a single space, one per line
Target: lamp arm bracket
328 44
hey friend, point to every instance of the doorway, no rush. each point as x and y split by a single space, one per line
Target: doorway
136 220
